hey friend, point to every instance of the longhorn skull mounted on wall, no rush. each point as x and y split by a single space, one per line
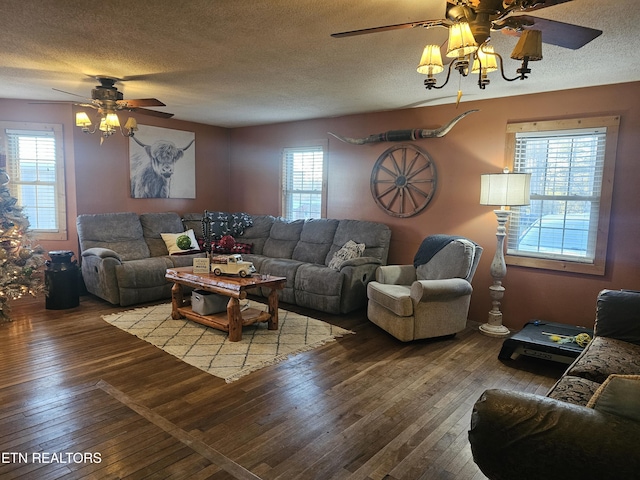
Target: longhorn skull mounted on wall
404 135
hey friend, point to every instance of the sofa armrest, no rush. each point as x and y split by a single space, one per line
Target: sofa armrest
355 277
101 252
439 290
396 274
355 262
529 437
618 315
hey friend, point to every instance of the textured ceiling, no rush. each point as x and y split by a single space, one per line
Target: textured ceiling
249 62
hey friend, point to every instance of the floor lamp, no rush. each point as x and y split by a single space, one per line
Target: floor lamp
506 190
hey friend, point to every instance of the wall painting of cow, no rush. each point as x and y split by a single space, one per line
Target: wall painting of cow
162 163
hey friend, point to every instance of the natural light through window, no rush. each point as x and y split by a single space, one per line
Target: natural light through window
569 200
34 165
303 182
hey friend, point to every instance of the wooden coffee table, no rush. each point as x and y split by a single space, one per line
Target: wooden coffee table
233 287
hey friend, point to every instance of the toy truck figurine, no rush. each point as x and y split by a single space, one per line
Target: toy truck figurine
231 265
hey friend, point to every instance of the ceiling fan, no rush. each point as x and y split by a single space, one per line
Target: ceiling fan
485 16
107 99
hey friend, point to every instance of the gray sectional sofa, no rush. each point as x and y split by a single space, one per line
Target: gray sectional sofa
124 257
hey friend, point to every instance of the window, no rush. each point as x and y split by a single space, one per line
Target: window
571 165
303 182
35 166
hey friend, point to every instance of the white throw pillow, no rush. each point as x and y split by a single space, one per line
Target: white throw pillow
171 241
349 250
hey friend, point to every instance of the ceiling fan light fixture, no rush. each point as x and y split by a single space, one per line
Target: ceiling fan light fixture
131 126
485 60
529 46
461 41
112 120
83 120
431 61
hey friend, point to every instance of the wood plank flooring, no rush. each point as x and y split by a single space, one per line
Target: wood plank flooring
80 398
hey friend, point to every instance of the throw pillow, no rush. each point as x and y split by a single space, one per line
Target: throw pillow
237 247
618 395
348 251
180 242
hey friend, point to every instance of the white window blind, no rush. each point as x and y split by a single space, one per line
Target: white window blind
566 169
303 182
32 165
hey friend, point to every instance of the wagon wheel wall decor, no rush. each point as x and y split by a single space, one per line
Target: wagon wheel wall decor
403 180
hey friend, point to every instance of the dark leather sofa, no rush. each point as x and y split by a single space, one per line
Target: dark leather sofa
588 425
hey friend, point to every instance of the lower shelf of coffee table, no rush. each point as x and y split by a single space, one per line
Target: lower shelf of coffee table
220 320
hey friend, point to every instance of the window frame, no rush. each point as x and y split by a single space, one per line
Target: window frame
611 123
60 233
318 144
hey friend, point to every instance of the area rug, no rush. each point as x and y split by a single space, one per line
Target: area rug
210 350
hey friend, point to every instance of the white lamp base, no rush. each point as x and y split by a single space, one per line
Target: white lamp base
494 330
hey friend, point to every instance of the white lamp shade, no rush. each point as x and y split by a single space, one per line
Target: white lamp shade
82 119
485 56
112 120
505 189
461 41
431 61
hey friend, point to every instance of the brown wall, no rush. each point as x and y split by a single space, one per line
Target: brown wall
475 146
239 170
97 177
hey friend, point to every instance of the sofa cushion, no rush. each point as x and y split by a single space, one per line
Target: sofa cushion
606 356
375 236
121 232
283 238
315 240
193 221
153 224
575 390
258 233
148 272
185 260
319 287
281 267
618 395
396 298
318 279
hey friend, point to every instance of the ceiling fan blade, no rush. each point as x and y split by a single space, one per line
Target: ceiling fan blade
152 113
68 93
531 5
518 6
557 33
397 26
140 102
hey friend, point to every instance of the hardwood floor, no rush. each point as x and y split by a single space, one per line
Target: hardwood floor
80 398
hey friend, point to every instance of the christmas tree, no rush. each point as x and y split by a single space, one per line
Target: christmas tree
20 263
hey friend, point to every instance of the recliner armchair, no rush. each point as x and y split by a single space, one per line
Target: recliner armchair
430 298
